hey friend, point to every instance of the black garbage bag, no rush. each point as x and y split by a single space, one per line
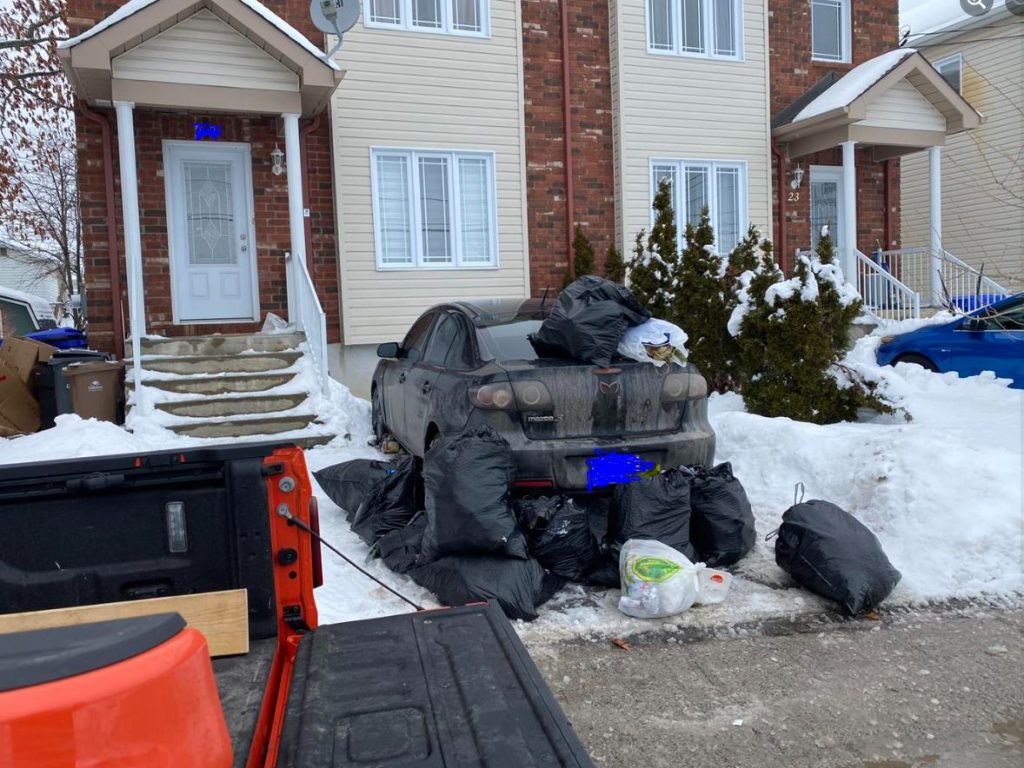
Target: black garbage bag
519 586
829 551
400 549
604 572
390 505
588 320
652 508
559 535
349 484
468 479
721 520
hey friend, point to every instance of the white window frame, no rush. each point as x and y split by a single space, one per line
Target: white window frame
958 59
712 166
415 215
446 28
707 31
845 32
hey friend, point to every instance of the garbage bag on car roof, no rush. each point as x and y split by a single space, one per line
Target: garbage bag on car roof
829 551
468 479
559 536
349 484
390 505
654 341
721 520
652 508
588 320
519 586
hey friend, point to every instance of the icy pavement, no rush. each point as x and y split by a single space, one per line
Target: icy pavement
943 493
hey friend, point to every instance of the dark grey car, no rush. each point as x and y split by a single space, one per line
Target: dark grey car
467 364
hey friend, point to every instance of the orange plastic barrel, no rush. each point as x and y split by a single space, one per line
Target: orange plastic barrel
157 708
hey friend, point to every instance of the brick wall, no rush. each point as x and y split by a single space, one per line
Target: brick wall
875 31
270 199
593 166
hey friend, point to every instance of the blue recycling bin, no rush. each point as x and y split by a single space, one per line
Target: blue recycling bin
61 338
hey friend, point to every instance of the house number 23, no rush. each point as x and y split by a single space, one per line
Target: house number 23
794 197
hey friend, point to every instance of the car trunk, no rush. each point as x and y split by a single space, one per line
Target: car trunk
587 401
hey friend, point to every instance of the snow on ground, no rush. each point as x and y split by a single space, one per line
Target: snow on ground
943 493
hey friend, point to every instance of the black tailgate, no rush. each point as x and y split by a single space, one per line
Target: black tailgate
439 689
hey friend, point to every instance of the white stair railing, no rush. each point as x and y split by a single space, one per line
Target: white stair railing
308 315
918 269
884 295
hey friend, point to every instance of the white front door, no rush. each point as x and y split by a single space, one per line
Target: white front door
210 231
827 204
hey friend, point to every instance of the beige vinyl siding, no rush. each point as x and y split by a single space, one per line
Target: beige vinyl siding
983 169
417 90
903 106
680 107
203 50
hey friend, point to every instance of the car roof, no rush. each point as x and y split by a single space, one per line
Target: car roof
485 313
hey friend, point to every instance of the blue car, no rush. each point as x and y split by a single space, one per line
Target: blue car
988 339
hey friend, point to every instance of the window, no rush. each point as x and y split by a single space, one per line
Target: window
445 332
415 339
453 17
711 28
830 30
721 186
952 70
434 209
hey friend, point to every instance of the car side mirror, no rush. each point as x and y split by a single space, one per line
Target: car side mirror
974 324
390 350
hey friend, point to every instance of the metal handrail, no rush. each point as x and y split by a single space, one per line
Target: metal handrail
309 316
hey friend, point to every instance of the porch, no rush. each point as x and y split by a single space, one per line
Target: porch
886 108
203 95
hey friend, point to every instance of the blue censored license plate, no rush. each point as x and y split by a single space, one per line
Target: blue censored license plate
606 468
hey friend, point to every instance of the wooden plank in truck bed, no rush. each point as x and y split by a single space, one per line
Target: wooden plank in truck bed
222 617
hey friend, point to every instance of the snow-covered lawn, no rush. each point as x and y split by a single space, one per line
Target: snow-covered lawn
943 492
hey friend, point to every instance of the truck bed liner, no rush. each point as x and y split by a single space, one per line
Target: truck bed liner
241 682
438 689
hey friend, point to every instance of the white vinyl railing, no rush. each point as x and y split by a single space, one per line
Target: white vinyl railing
941 275
308 315
883 294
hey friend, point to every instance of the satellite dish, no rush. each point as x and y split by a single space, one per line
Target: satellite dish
335 17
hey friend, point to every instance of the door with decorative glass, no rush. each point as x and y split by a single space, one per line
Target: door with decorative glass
827 203
210 231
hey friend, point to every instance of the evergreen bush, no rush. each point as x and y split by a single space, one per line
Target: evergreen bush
583 256
614 265
652 268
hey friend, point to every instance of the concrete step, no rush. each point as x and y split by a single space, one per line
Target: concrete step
206 408
218 385
271 425
192 364
218 344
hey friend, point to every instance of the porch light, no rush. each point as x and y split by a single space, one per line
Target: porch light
277 161
796 177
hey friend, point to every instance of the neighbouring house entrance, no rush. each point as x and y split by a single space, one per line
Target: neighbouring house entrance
827 203
211 231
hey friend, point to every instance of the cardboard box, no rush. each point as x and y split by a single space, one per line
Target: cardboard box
21 355
19 412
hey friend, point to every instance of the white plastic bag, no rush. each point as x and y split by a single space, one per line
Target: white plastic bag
654 341
657 580
712 585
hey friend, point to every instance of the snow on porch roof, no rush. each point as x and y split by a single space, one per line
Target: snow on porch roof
134 6
854 83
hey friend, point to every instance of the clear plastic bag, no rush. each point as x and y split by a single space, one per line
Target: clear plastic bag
657 580
654 341
712 585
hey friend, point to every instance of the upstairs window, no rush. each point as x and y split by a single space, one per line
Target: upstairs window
453 17
708 28
830 30
721 186
952 70
434 209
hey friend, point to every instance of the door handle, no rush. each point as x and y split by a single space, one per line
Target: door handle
402 377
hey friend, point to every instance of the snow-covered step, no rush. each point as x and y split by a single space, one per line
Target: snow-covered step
260 362
209 407
219 385
270 425
218 344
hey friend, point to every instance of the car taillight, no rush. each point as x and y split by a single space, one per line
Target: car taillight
497 397
532 396
314 544
683 386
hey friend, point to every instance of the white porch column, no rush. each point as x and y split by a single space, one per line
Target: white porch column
293 162
849 234
132 232
935 219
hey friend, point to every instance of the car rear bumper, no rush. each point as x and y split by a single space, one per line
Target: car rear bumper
564 461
